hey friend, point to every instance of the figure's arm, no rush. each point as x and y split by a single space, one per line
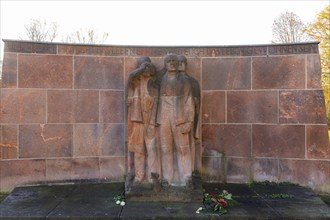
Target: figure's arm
189 114
152 122
136 73
188 108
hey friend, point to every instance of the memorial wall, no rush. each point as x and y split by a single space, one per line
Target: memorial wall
63 112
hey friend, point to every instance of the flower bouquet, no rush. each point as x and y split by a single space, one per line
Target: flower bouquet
217 202
119 200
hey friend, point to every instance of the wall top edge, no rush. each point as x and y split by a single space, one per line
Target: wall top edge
169 46
19 46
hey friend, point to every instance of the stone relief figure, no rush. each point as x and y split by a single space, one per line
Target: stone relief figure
163 113
142 105
194 133
175 117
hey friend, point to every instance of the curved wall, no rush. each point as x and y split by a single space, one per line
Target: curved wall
62 112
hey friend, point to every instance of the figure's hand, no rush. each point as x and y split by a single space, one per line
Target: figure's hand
144 65
186 127
150 131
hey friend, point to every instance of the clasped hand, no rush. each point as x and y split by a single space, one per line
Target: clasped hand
185 127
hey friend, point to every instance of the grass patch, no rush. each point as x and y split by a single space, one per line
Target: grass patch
3 196
325 198
281 196
269 183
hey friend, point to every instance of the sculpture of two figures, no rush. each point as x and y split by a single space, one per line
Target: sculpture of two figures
163 124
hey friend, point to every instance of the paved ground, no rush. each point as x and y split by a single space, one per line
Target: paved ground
95 201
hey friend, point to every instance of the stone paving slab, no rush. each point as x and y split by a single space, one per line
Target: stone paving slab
95 201
90 201
301 203
161 210
86 208
33 202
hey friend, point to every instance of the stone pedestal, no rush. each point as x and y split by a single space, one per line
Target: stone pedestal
158 192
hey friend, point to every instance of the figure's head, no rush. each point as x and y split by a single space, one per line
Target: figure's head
171 62
143 60
182 63
149 68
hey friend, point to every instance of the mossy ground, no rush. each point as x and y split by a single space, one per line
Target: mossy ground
325 198
3 196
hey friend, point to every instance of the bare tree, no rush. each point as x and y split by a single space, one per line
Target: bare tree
288 28
37 30
86 36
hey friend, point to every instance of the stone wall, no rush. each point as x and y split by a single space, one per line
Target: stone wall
62 112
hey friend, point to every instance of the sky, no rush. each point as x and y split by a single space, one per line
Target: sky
161 23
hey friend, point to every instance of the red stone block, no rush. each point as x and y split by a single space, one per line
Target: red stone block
45 71
8 153
86 168
312 173
239 170
99 140
230 140
213 106
213 169
265 169
20 172
23 106
115 139
112 168
86 140
318 146
44 141
226 73
302 106
8 136
280 141
9 71
29 147
112 106
130 65
73 106
59 169
314 72
252 106
194 68
8 141
1 145
213 140
98 72
279 72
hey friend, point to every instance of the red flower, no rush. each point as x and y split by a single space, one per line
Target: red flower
223 203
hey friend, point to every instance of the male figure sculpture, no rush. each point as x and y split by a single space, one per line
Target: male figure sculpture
142 106
175 117
194 134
